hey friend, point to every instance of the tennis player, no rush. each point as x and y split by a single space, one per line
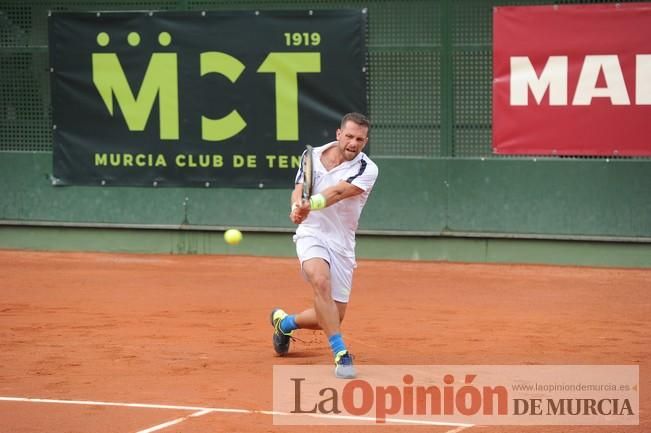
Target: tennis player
325 237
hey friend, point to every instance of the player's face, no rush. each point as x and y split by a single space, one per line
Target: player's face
352 138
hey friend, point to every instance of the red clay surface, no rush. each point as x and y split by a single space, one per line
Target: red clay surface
194 331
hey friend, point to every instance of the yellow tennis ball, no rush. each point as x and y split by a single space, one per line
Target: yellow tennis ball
233 236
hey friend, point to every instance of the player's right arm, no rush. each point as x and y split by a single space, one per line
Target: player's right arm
299 209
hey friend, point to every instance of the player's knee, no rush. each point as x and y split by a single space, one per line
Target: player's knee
323 292
321 284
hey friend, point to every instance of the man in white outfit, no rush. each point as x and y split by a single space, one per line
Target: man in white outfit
325 238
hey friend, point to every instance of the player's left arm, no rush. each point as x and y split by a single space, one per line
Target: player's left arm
339 192
329 196
351 187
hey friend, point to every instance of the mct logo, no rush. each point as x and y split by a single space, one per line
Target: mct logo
161 82
199 98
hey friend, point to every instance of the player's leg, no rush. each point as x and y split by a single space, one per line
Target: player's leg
307 248
331 282
317 273
315 266
341 276
307 319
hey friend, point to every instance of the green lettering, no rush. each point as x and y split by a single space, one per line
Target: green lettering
232 123
287 66
101 159
160 161
160 80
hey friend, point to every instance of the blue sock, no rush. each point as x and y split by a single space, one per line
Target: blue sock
336 344
288 324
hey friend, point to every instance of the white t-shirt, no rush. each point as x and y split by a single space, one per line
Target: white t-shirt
336 224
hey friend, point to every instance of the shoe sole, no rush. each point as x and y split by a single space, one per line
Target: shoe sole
351 375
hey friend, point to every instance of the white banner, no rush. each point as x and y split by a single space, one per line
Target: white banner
459 395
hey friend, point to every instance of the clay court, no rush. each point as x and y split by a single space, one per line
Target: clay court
124 343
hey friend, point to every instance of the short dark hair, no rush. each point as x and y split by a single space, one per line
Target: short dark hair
357 118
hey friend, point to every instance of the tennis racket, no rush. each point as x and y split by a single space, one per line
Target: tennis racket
308 173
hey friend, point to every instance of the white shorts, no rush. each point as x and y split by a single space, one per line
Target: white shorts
341 267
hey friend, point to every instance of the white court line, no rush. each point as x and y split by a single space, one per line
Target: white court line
139 405
460 426
389 420
200 411
458 429
174 421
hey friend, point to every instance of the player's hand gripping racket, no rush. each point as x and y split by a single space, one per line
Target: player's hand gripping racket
308 173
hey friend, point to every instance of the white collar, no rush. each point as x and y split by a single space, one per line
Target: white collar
344 164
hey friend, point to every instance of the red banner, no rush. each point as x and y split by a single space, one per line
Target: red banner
572 80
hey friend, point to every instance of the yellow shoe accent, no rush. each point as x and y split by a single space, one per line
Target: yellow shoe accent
339 355
278 317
